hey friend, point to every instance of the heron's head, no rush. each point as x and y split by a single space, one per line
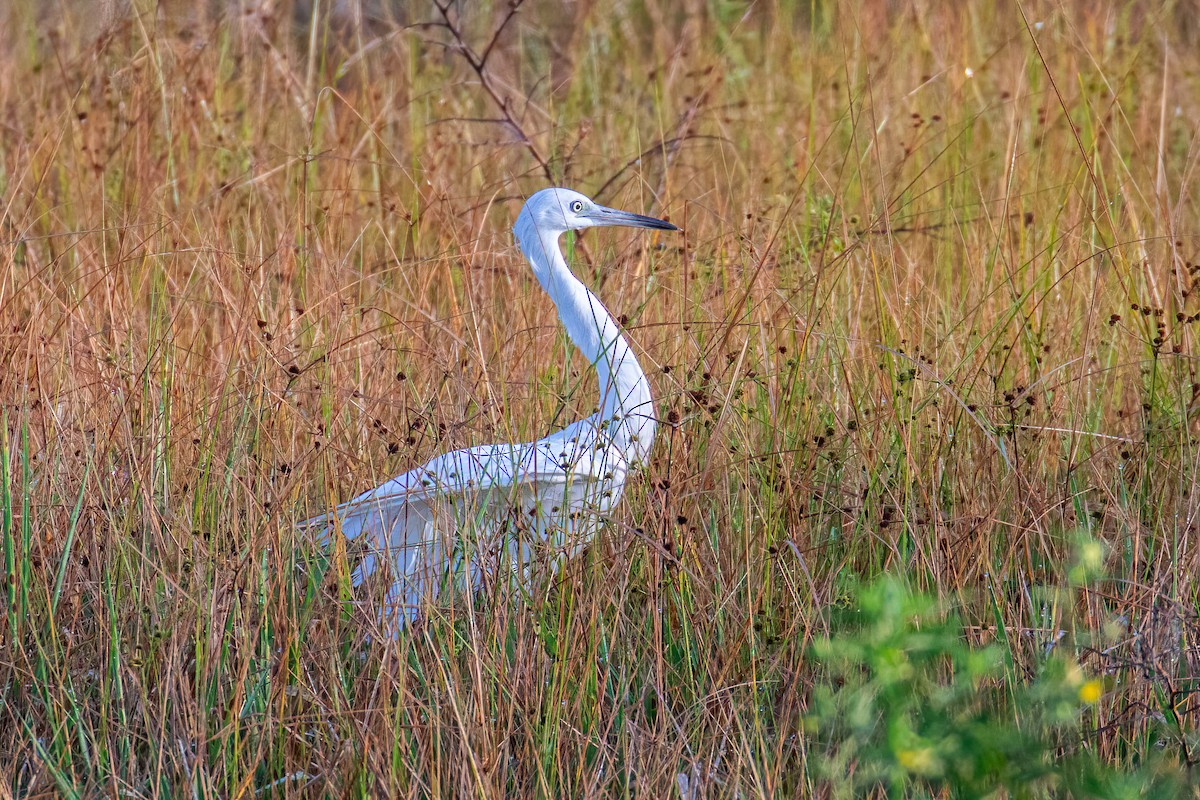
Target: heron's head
556 211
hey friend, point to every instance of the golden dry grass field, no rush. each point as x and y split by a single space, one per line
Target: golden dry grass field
932 314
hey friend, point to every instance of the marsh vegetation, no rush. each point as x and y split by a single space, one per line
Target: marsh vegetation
930 330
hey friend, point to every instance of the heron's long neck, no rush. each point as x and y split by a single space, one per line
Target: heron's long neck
624 389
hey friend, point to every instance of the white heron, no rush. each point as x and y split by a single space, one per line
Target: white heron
475 515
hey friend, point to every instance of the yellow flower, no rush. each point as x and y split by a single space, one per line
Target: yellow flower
1091 692
1091 556
921 761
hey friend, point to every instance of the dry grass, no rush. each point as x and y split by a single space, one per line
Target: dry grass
932 313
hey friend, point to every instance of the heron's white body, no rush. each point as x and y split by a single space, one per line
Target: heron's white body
474 515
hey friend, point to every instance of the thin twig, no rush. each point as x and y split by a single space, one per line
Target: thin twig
478 64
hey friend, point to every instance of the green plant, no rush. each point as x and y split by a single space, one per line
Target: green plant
905 704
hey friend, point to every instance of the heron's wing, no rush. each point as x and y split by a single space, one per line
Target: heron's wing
396 519
415 520
566 457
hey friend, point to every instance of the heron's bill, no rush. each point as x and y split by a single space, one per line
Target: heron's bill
611 216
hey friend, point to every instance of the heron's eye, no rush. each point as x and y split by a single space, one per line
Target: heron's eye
577 206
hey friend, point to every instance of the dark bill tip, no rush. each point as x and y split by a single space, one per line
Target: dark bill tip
656 223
